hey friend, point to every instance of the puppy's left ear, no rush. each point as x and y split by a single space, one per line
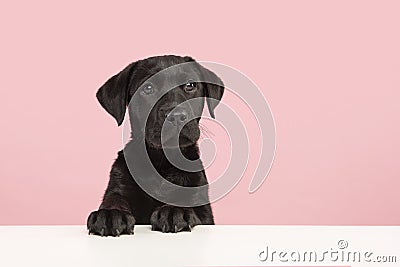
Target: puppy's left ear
214 89
213 86
113 95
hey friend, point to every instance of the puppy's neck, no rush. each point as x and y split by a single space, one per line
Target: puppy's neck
190 152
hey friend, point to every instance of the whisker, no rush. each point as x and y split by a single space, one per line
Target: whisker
205 132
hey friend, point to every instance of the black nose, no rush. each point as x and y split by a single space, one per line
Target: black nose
177 117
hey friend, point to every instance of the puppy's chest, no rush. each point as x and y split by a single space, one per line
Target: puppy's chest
172 174
167 168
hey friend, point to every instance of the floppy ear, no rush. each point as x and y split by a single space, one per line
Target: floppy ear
214 89
113 95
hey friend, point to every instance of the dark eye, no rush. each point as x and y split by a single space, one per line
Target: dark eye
147 89
190 86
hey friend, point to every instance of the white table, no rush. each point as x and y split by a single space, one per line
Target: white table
205 246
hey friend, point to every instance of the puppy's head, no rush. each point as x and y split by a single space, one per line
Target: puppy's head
162 91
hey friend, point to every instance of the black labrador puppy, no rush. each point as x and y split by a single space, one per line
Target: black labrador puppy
125 203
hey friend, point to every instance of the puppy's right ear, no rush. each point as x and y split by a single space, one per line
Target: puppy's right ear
113 95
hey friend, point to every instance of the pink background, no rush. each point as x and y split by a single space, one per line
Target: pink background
330 71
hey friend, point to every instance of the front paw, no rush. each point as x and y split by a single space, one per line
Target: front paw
170 219
111 222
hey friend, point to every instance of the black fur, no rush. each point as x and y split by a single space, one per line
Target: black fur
125 203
